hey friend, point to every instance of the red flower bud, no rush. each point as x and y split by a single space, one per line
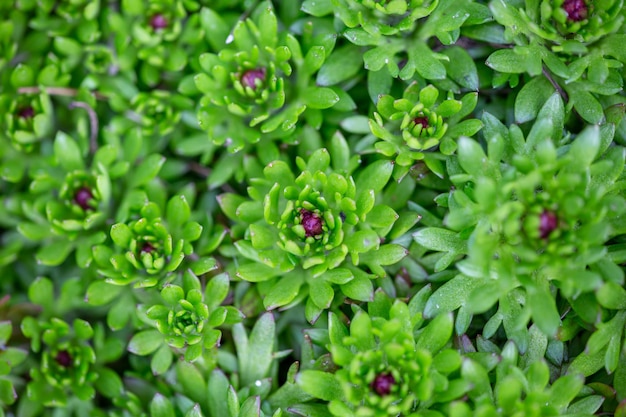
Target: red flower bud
147 247
250 77
383 383
64 359
26 112
158 22
421 120
576 10
82 198
548 222
311 222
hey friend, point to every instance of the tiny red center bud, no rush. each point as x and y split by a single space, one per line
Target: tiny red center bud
576 10
383 383
26 112
82 197
64 359
311 222
548 222
147 247
249 78
421 120
158 21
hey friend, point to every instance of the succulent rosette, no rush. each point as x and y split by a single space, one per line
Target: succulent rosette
77 19
417 123
246 80
257 71
383 17
187 321
67 360
159 112
149 248
163 34
10 357
585 21
29 119
537 221
382 368
521 385
303 228
74 218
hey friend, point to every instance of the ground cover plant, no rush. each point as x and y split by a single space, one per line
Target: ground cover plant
318 208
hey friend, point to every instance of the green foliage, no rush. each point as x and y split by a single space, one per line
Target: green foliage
317 208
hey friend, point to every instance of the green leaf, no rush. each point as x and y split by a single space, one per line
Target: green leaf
121 235
442 240
374 176
436 334
109 383
147 170
256 363
161 407
341 65
172 294
321 293
256 272
426 63
229 203
585 104
177 212
508 61
612 295
217 392
216 26
322 385
145 342
284 291
564 390
192 381
553 110
194 411
317 8
162 360
41 292
67 152
251 407
531 98
584 149
7 393
5 332
543 310
472 157
451 295
204 265
359 288
461 68
55 253
319 97
216 291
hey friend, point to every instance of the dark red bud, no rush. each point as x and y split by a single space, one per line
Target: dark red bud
82 198
421 120
147 247
158 21
26 112
383 383
548 222
311 222
64 359
576 10
249 78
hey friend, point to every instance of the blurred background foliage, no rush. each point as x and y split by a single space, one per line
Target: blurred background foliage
317 208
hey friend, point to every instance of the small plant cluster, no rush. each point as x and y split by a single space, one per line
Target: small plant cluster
317 208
